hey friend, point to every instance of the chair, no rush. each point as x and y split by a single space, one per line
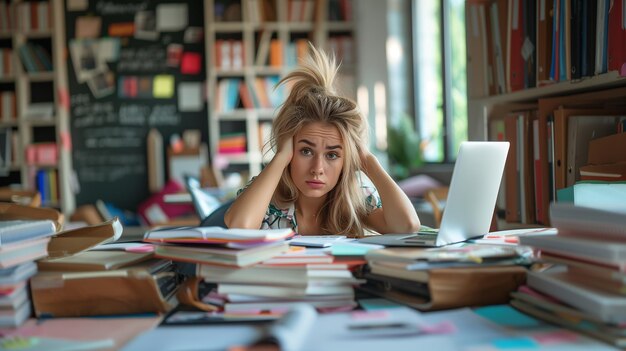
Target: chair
216 218
436 197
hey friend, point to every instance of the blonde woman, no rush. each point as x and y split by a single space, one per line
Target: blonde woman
314 183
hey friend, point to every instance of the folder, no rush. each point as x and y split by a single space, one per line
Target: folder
608 149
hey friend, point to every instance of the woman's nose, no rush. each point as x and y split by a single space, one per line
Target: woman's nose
317 168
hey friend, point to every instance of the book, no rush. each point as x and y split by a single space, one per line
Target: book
23 251
221 255
607 172
216 235
15 317
316 240
301 256
93 261
72 241
590 249
18 273
145 287
19 230
312 289
11 211
275 275
606 307
585 222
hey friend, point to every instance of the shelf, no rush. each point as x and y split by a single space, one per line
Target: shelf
235 115
300 27
601 81
230 72
227 27
268 71
339 26
37 34
48 122
40 76
38 166
12 123
7 79
5 35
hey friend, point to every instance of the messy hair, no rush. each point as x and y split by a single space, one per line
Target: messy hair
313 98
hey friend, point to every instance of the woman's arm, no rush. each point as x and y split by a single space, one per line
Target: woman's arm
397 214
249 209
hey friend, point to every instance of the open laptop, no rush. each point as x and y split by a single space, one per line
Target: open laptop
203 201
471 198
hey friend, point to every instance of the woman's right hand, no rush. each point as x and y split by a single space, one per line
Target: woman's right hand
285 150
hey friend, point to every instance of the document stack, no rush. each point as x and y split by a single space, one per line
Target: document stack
446 277
272 287
83 277
586 289
21 243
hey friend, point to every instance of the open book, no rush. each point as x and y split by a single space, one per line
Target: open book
216 235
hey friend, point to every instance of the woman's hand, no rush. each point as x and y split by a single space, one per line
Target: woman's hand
285 150
365 156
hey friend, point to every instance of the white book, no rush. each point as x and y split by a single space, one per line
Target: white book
217 234
15 299
20 230
16 274
582 221
611 253
344 291
284 305
607 307
15 318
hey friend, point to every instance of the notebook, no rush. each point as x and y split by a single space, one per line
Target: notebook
471 199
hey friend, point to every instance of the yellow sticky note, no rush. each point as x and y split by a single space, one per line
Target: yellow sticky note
163 86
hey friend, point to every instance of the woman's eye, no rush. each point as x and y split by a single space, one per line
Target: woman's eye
306 152
332 156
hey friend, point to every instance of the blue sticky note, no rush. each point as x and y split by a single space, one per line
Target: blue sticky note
377 304
508 316
515 343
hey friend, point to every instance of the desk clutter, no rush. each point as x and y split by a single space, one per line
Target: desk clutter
323 292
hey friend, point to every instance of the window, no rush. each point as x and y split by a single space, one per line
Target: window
439 77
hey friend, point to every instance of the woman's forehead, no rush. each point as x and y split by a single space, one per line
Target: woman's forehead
320 131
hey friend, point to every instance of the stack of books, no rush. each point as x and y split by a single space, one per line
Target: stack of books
446 277
586 288
21 243
272 287
86 275
219 246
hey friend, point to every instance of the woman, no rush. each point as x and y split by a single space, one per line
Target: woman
313 183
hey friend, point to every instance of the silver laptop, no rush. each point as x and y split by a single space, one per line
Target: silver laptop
471 198
203 201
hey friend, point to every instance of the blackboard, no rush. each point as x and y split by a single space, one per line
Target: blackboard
128 64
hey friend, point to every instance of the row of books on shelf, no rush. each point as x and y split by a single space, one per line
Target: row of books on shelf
230 54
47 184
8 106
233 143
35 58
7 67
6 16
234 93
585 286
554 145
33 16
515 45
302 11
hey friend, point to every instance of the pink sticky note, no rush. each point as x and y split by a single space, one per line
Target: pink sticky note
365 315
556 337
141 249
191 63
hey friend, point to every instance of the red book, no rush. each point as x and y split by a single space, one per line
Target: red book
515 60
617 38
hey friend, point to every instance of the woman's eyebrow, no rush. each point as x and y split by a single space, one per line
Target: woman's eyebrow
310 143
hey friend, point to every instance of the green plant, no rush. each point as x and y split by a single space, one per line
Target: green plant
403 148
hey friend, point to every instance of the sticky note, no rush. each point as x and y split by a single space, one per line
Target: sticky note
515 343
191 63
506 315
163 86
190 96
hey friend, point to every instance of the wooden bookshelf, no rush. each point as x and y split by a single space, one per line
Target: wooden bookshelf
259 30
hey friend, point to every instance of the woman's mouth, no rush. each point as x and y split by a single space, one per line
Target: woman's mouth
315 184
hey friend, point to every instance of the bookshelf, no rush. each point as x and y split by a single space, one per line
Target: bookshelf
39 120
251 44
508 80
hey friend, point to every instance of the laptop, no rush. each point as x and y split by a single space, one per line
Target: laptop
204 202
471 198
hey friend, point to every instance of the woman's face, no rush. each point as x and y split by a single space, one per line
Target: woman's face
317 159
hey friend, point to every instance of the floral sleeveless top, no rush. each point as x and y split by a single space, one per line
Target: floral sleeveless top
285 217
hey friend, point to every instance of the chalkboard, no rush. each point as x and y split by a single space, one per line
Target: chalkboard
132 66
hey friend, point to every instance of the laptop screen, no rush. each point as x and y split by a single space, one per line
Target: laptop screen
203 201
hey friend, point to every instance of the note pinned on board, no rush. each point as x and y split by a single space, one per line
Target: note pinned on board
190 96
163 86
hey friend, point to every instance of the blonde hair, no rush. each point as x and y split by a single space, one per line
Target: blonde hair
313 98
